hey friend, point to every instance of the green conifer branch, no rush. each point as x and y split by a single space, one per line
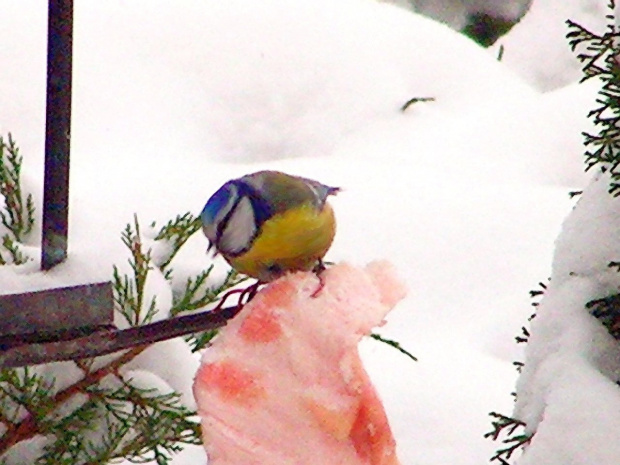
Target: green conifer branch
11 246
33 397
17 214
177 232
396 345
129 292
503 424
507 426
599 55
197 294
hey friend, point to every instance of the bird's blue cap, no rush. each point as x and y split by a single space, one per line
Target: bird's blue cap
217 201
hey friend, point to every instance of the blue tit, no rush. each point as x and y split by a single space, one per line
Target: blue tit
268 223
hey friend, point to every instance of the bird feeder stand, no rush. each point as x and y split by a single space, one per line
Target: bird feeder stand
71 310
71 322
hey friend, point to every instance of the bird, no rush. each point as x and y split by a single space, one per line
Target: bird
269 223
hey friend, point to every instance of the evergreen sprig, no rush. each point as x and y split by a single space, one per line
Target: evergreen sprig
509 427
114 419
11 246
176 232
30 406
17 214
118 420
23 392
129 294
395 344
524 336
607 311
198 295
70 444
503 424
599 55
144 424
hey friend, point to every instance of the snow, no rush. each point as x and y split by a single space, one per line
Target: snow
536 47
465 194
572 363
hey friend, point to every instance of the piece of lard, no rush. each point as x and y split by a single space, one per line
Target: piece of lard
283 382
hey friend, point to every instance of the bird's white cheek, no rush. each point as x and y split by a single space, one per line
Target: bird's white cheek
210 230
239 230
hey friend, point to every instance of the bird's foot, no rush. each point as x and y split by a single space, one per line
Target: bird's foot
318 271
249 293
245 295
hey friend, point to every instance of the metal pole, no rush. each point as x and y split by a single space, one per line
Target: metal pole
57 133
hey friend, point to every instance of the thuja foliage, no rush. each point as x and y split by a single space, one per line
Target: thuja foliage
514 438
196 293
504 428
93 421
17 213
395 344
599 55
103 415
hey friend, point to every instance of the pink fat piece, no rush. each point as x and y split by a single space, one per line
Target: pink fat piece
283 383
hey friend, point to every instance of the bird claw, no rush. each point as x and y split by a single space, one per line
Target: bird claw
249 293
318 271
246 294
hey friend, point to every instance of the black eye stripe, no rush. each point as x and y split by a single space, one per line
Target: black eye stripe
221 226
260 205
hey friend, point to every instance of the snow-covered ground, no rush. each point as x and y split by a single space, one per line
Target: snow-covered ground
536 49
465 194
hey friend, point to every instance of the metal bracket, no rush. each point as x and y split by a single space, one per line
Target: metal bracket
37 348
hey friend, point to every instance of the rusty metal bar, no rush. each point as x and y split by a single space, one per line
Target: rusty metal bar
58 309
35 349
57 133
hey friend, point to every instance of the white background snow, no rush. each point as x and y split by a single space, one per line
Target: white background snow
465 194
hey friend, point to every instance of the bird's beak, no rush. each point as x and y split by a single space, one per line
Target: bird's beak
214 249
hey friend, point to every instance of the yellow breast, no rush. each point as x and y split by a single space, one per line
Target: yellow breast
291 241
